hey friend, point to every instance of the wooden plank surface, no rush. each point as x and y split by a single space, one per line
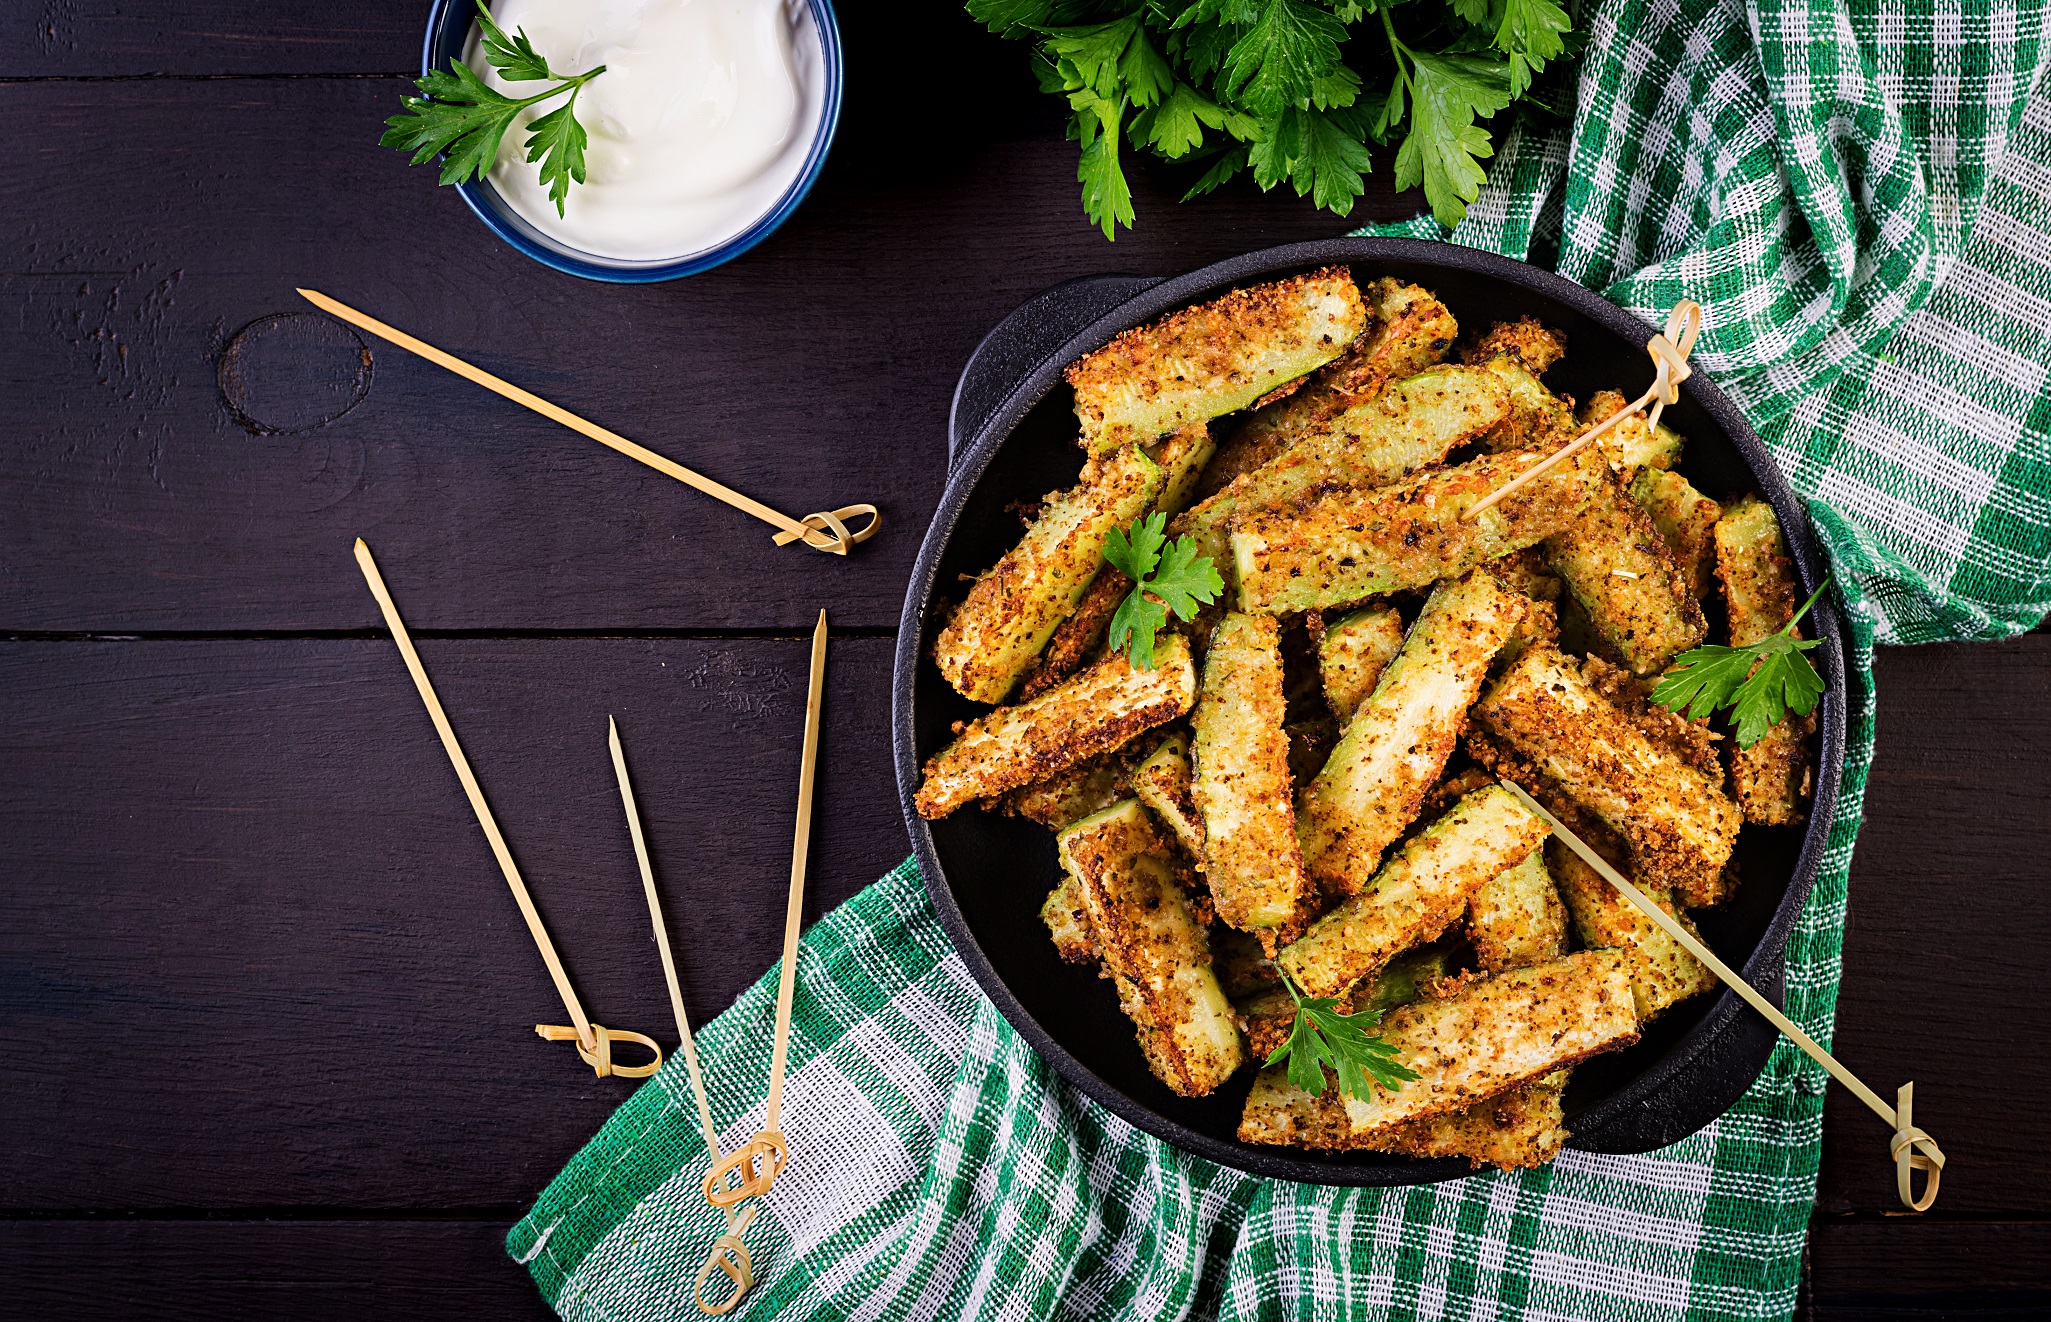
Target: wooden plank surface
268 1000
258 952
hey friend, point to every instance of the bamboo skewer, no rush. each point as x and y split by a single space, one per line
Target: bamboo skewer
825 531
729 1253
759 1161
594 1042
1911 1148
1670 368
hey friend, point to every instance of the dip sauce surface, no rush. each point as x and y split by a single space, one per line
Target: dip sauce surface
702 119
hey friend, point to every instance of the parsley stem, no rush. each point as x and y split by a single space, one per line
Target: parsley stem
1399 50
1797 619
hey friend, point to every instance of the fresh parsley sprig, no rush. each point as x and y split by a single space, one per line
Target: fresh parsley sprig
463 120
1265 85
1165 576
1322 1036
1761 681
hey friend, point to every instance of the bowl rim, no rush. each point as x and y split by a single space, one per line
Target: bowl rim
1763 965
487 205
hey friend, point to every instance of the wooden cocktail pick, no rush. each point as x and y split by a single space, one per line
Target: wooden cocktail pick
825 531
1669 350
753 1169
594 1041
1911 1149
729 1252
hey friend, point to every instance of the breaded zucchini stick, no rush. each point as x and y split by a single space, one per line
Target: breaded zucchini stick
1353 653
1772 778
1614 561
1486 1038
1417 894
1516 917
1242 789
1631 444
1410 331
1662 970
1095 712
1524 1127
1397 743
1014 609
1679 826
1408 426
1215 358
1181 456
1068 922
1163 783
1519 353
1351 545
1068 796
1685 518
1153 947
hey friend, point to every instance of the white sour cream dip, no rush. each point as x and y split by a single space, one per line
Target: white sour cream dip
702 119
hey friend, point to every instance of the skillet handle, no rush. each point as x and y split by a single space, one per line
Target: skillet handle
1020 342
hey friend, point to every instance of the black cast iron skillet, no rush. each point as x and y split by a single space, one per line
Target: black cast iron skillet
1014 439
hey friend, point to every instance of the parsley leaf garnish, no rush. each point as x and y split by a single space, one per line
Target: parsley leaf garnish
462 119
1166 576
1322 1036
1762 681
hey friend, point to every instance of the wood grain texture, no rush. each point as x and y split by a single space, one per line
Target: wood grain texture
258 1271
1948 938
814 371
256 951
1927 1268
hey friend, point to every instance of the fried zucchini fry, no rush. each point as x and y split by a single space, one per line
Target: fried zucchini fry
1679 826
1214 358
1417 894
1486 1038
1519 353
1772 778
1662 970
1351 545
1614 561
1516 917
1095 712
1068 796
1630 445
1068 922
1353 653
1410 332
1524 1127
1014 609
1153 947
1685 518
1397 743
1183 457
1251 857
1163 784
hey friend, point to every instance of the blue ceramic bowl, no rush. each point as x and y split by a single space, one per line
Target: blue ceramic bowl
448 33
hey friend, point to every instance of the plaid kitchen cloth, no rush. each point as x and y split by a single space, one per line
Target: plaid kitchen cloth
1859 194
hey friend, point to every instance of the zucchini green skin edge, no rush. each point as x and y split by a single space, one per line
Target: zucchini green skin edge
1419 893
1396 745
1618 566
1094 712
1351 545
1409 426
1352 655
1153 947
1216 358
1771 779
1242 786
1483 1040
1014 609
1680 828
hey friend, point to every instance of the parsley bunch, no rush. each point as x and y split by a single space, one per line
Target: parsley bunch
1293 90
1762 681
1323 1036
462 119
1180 581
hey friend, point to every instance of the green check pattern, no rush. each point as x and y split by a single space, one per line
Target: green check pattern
1859 194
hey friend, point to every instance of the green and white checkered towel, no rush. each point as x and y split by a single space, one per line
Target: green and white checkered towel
1859 195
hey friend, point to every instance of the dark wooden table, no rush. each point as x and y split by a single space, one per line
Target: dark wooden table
266 1003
